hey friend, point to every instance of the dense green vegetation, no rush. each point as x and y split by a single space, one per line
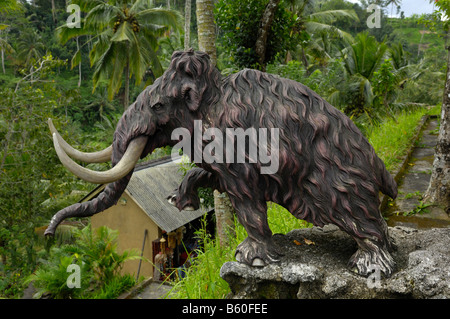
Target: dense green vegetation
97 262
202 279
384 79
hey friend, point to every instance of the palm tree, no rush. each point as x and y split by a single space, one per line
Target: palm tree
361 59
206 28
125 40
318 29
29 48
5 47
397 3
207 42
187 24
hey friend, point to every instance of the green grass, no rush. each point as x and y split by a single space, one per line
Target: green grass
393 138
405 30
202 280
391 141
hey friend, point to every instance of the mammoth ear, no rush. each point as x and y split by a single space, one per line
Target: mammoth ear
191 96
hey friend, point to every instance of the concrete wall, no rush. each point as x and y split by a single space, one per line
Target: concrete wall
131 222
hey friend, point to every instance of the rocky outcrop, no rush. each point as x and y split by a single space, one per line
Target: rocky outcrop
315 266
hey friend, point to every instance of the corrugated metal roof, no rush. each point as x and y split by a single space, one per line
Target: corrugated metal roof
151 184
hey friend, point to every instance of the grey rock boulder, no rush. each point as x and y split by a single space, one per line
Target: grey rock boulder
315 266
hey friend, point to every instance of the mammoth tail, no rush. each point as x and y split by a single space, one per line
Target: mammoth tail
107 198
387 185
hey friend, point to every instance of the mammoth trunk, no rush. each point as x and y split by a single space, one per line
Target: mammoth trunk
104 200
107 198
128 131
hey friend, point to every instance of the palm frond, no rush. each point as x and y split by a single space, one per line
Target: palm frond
364 56
102 16
124 33
64 33
362 87
138 58
103 63
87 5
335 98
155 63
140 5
6 46
119 61
320 28
331 16
99 47
160 16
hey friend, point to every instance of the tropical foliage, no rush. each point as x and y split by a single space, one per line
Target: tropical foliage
95 255
85 77
125 40
238 23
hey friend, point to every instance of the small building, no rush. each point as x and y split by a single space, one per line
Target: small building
146 222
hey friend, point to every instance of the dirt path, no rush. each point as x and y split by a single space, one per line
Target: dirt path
408 210
155 290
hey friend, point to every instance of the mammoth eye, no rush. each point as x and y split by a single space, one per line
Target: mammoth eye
157 106
187 94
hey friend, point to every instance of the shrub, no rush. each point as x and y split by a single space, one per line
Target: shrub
239 22
202 279
95 253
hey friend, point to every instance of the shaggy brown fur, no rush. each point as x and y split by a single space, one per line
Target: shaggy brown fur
328 172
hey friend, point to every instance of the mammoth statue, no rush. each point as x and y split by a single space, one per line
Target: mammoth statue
326 171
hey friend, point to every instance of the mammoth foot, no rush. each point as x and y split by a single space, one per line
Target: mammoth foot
188 204
374 260
257 254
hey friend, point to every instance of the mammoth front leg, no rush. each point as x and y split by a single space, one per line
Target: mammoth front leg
258 249
185 197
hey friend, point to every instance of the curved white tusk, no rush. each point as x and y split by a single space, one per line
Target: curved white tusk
123 167
95 157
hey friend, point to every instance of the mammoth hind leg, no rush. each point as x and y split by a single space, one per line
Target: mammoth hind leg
371 257
374 246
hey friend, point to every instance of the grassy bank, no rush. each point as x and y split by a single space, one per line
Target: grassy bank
202 280
391 141
393 138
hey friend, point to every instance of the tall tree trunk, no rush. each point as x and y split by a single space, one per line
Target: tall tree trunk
305 60
207 43
3 60
187 25
206 28
224 218
4 49
438 191
263 32
126 97
79 64
54 12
